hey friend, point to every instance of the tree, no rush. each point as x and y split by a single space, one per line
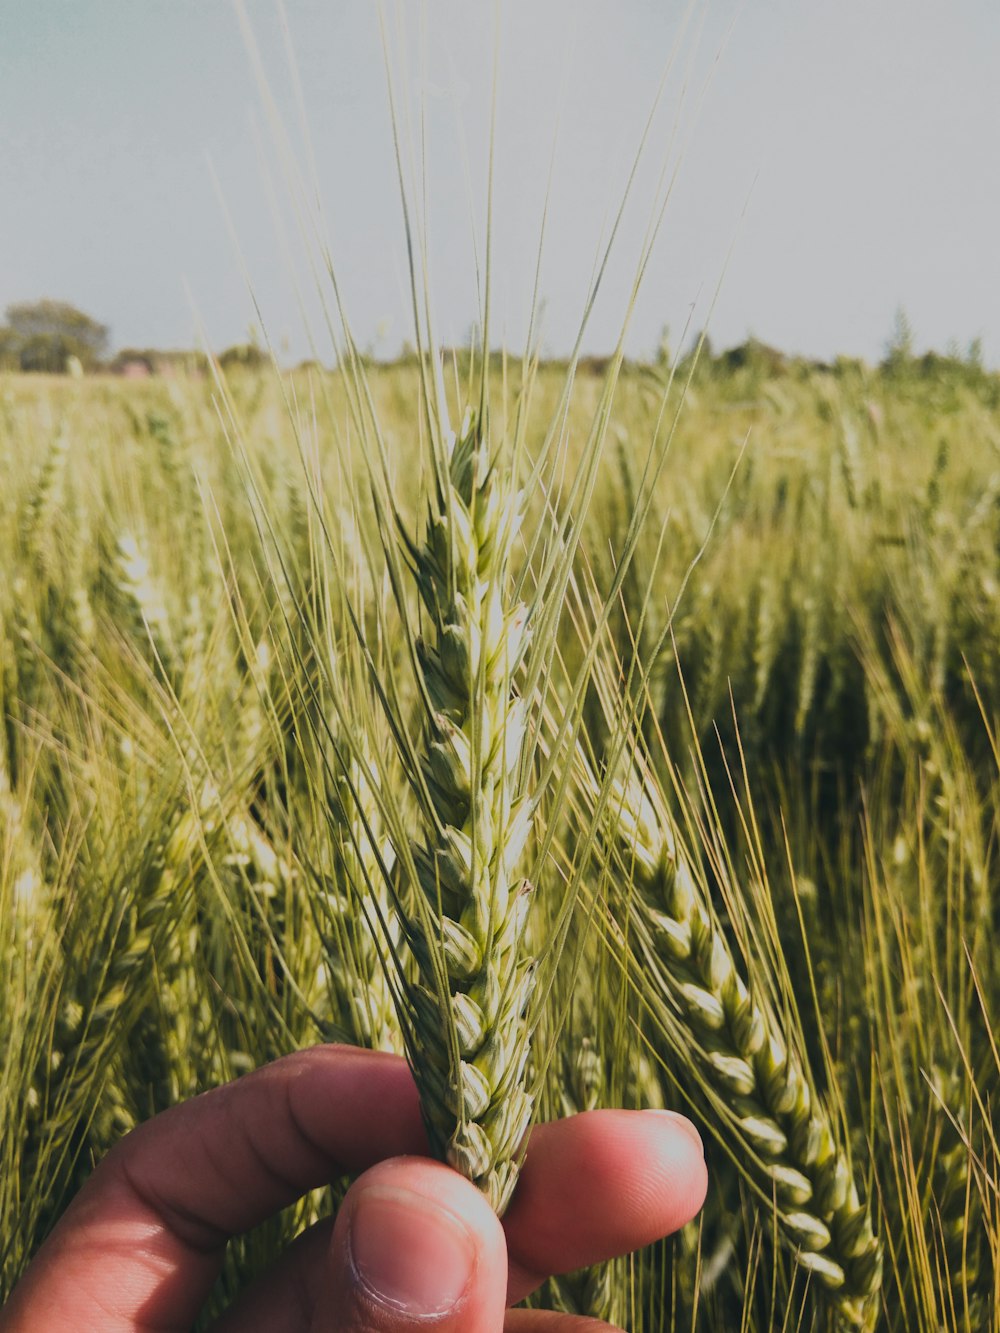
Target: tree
900 347
245 356
47 333
10 349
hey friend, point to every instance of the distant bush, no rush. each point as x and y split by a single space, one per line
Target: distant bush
246 356
49 335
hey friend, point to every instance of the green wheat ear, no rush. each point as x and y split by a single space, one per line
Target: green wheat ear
596 1292
358 982
474 981
749 1070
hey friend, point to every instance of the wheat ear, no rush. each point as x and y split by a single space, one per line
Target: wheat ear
467 931
358 918
595 1291
749 1072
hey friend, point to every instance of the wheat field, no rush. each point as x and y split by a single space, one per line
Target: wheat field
315 718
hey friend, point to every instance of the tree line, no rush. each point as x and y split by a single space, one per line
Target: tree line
55 337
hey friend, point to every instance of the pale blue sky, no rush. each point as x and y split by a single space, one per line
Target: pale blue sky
846 153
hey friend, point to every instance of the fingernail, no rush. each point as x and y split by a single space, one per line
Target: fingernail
684 1123
410 1253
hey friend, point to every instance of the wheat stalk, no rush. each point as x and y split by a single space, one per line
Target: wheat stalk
750 1073
137 599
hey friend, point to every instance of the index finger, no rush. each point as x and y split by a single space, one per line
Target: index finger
142 1243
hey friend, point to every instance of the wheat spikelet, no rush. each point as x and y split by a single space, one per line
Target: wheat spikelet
712 676
810 652
42 502
749 1071
357 916
8 695
79 1104
956 1212
852 463
466 935
137 598
597 1291
767 640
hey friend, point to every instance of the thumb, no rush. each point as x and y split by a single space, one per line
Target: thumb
414 1245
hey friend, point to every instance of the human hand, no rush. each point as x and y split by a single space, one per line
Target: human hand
414 1245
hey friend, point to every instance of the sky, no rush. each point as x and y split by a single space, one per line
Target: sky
824 165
